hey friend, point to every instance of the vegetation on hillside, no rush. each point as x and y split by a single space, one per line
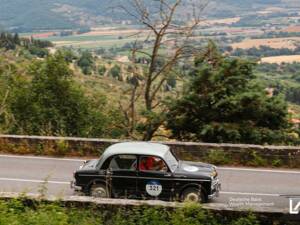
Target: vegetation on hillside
45 100
223 103
70 14
147 89
221 100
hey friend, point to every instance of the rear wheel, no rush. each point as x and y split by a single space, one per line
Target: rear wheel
193 195
99 191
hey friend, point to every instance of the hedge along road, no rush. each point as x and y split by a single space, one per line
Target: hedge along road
246 187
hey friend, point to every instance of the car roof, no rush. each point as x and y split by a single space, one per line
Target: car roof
136 148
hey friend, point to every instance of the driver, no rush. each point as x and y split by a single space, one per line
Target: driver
159 165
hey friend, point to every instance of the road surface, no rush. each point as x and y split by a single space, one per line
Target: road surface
246 187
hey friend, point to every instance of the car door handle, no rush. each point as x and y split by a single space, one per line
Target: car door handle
168 175
108 172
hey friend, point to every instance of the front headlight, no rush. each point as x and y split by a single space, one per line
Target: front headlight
214 173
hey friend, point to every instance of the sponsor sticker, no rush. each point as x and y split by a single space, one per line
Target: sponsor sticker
190 168
153 188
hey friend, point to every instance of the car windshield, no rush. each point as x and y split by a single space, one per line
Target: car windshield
171 161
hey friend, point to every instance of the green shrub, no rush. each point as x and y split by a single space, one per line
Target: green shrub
276 162
248 220
62 147
25 212
115 72
257 160
192 214
101 70
218 157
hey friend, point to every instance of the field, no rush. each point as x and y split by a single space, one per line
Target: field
227 21
290 42
92 41
293 29
111 31
97 38
281 59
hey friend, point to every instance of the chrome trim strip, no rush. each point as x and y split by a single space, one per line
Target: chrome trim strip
137 177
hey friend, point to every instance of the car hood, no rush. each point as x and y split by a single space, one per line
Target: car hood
194 170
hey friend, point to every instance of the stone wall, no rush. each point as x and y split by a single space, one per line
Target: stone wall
220 154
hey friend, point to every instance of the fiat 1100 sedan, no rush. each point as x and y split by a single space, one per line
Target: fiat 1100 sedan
142 170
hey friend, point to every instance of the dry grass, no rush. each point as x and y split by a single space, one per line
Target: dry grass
281 59
290 42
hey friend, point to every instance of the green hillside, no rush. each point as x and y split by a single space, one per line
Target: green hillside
20 15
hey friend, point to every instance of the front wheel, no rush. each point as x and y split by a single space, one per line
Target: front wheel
192 194
99 191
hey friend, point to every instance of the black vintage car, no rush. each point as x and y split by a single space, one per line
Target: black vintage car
141 170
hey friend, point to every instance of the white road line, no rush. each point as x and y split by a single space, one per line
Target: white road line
33 181
43 158
219 168
67 183
259 170
245 193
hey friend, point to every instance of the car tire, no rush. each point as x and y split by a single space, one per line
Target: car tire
99 191
193 194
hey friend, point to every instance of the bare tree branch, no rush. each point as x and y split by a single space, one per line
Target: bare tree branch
160 21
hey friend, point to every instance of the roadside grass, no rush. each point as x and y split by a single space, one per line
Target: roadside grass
23 211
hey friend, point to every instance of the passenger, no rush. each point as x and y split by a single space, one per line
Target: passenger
150 163
146 163
143 164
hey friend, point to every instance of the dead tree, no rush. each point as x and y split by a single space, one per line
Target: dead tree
159 18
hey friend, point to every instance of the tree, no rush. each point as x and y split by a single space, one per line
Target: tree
101 70
7 41
169 44
69 54
51 104
86 62
223 103
115 72
17 40
39 52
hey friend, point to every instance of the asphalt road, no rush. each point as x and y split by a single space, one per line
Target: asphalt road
241 187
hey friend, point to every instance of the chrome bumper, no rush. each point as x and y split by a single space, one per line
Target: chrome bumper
215 189
73 186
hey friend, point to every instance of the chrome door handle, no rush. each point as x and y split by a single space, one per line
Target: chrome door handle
108 172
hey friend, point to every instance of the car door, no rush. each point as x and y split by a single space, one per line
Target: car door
123 176
155 181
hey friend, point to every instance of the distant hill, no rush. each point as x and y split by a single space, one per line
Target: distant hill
25 15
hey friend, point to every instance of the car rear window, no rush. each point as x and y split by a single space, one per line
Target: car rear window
123 162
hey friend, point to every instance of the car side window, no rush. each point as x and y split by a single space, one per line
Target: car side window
152 163
123 162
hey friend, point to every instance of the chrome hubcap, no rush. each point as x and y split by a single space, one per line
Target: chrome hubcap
99 192
192 197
